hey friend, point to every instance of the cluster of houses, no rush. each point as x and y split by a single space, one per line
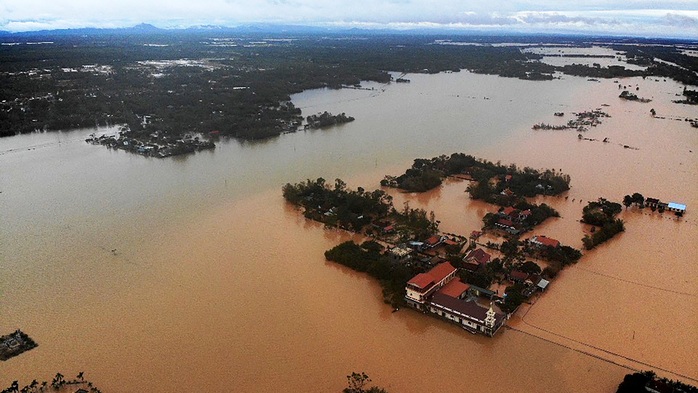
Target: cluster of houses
153 149
441 293
654 203
512 220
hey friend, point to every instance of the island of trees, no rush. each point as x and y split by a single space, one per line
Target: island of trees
601 214
492 179
327 119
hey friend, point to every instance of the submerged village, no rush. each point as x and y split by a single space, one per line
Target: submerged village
456 277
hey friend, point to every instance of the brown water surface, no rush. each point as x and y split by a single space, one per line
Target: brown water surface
192 273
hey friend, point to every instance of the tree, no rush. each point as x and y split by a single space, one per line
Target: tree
356 384
638 199
627 201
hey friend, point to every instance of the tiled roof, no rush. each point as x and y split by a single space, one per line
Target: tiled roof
479 256
454 288
441 271
546 241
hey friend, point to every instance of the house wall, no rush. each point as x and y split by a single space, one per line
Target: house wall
414 295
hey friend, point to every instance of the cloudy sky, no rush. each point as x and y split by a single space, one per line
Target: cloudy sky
672 18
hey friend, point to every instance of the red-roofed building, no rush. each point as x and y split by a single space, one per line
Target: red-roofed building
424 284
434 241
524 215
509 211
518 276
507 225
467 314
543 241
478 256
455 288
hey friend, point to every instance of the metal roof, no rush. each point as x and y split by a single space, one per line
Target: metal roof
676 206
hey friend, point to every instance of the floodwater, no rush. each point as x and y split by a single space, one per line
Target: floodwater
192 273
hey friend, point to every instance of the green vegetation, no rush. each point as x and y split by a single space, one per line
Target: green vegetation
601 214
58 384
514 297
356 383
691 97
492 179
642 382
637 199
239 84
355 210
367 258
327 119
338 206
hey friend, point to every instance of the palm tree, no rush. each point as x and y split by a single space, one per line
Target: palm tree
80 376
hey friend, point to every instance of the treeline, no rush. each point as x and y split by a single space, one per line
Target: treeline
601 214
368 258
39 94
647 381
426 174
336 205
358 209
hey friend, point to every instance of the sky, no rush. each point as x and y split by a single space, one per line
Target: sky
647 18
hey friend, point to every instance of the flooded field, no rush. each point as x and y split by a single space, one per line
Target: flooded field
192 273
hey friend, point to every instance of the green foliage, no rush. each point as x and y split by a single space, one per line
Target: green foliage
565 255
417 222
327 119
600 211
367 258
514 298
356 383
641 382
338 205
529 267
607 231
478 278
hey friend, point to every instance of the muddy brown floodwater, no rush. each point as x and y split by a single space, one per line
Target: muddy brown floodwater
192 273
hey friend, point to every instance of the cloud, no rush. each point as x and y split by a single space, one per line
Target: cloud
678 20
673 17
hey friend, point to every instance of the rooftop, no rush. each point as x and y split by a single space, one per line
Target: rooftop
455 288
468 309
546 241
676 206
478 255
441 271
421 280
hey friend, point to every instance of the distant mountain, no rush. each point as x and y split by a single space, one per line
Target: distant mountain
142 28
149 31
